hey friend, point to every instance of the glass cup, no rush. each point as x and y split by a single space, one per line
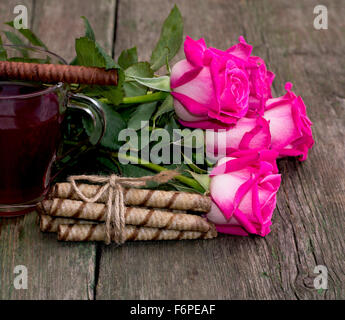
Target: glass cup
31 117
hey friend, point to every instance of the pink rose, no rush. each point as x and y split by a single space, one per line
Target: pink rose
214 88
248 133
210 90
243 189
260 79
290 127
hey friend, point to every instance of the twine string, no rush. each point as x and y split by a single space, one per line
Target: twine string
112 185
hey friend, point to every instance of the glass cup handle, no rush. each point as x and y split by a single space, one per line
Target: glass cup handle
94 110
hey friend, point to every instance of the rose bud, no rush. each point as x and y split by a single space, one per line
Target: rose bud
243 189
210 90
248 133
290 127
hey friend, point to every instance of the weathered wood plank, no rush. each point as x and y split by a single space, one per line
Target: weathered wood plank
311 201
6 10
59 23
6 14
308 226
55 270
140 23
309 222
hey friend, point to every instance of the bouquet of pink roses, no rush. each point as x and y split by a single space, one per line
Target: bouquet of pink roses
230 92
225 96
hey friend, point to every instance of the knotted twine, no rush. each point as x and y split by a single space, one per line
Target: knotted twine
115 221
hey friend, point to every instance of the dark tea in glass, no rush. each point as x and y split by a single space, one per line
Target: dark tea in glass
29 137
31 117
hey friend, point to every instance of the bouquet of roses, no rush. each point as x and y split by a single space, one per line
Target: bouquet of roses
211 116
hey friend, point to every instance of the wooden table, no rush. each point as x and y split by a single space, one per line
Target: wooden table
308 224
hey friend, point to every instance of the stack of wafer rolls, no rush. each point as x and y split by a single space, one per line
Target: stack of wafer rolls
140 197
149 214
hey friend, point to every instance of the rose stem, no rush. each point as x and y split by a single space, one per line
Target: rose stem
155 167
157 96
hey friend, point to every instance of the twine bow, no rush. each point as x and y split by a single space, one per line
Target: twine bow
115 221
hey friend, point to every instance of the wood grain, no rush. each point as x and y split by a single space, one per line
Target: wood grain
58 24
311 205
308 225
140 22
55 270
6 11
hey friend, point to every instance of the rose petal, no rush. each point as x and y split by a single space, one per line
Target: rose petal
194 50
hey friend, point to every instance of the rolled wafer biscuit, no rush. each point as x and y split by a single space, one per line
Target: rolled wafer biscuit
50 224
54 73
140 197
134 216
98 233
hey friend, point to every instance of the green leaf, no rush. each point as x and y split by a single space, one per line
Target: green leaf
143 139
89 33
191 138
90 54
29 60
203 179
109 164
109 61
131 170
114 124
113 93
142 113
170 126
132 88
28 34
170 40
159 83
140 69
128 58
14 39
181 187
74 61
3 53
193 166
127 112
166 106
